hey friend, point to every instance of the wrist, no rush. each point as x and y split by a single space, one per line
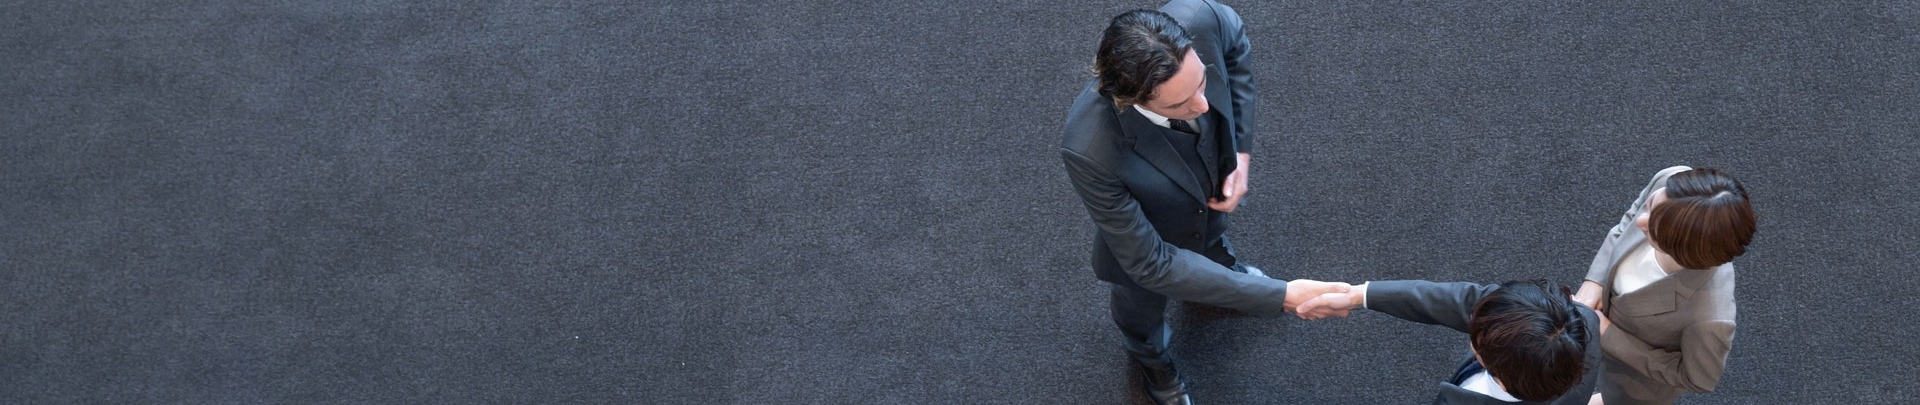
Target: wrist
1589 289
1357 296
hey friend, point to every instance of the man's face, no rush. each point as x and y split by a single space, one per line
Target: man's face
1182 97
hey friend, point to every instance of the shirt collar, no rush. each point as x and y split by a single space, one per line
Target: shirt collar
1484 384
1156 118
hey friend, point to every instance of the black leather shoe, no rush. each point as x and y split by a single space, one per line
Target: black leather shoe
1165 385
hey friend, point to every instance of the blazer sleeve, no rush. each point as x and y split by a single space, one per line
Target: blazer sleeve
1155 264
1696 367
1601 271
1234 50
1444 304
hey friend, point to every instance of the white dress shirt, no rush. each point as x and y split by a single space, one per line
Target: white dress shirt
1637 270
1484 384
1157 119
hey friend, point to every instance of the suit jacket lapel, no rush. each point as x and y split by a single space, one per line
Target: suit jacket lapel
1681 285
1687 282
1658 296
1468 367
1663 295
1152 145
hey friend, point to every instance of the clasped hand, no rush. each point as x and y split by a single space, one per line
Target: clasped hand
1331 304
1302 293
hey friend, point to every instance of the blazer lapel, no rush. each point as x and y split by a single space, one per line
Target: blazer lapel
1687 282
1152 145
1663 295
1654 299
1468 367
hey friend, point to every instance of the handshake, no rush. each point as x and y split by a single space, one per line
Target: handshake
1312 299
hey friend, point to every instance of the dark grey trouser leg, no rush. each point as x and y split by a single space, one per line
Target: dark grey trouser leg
1142 318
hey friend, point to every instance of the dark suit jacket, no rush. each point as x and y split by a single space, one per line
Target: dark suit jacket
1451 305
1670 336
1153 227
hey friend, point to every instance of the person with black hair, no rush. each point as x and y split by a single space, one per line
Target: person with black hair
1530 343
1158 147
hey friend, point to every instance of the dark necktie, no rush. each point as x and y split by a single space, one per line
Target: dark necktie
1182 126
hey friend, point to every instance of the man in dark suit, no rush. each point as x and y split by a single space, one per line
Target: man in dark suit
1530 343
1158 149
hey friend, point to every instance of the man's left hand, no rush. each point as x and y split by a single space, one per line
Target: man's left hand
1234 188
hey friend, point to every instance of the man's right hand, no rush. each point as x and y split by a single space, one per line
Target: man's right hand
1335 304
1299 291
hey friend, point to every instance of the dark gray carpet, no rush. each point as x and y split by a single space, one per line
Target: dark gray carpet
817 202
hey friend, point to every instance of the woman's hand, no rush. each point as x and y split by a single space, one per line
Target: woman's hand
1589 295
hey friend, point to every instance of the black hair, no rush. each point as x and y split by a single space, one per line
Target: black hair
1532 338
1140 50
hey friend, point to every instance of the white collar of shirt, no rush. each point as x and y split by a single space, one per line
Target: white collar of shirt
1480 382
1157 119
1483 383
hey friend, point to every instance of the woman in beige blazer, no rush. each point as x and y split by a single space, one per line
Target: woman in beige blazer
1664 279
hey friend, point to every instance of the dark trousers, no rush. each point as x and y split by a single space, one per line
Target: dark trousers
1141 315
1142 318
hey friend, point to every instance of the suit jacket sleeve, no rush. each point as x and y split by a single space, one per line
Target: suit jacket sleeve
1696 367
1240 75
1601 271
1444 304
1157 265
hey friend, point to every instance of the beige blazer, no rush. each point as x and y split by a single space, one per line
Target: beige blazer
1669 337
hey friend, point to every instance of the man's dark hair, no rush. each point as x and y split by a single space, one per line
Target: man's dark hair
1140 50
1532 338
1706 220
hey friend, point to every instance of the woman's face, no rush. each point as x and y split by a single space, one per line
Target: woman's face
1659 197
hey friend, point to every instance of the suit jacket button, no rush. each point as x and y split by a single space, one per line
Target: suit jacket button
1200 211
1196 235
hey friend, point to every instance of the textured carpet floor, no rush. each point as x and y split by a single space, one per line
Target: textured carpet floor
832 202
